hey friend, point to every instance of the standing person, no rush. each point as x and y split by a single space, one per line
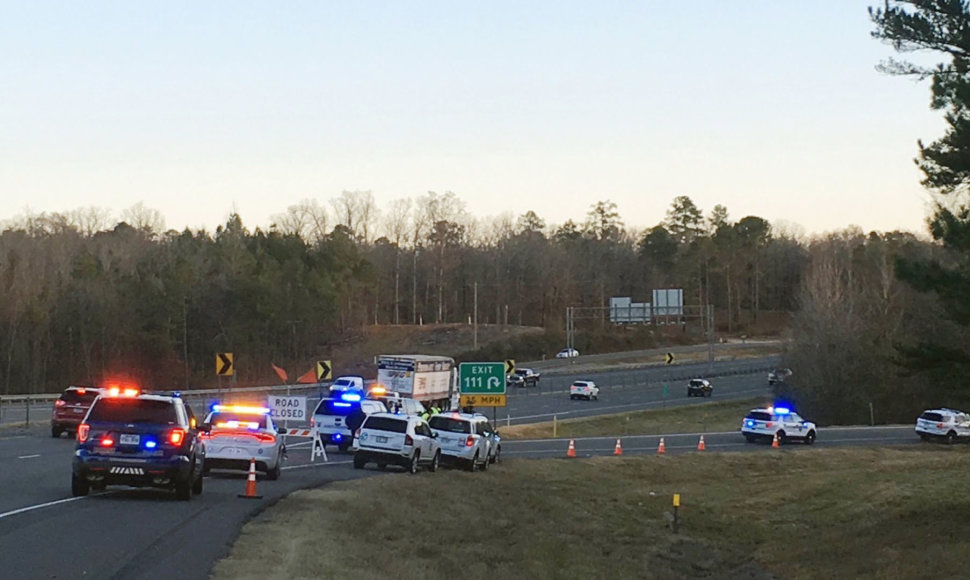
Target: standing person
354 420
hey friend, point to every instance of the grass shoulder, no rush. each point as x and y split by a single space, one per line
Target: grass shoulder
814 513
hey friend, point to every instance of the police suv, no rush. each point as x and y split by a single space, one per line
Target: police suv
330 416
466 438
782 422
141 440
944 424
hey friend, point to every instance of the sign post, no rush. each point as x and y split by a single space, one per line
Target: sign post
482 384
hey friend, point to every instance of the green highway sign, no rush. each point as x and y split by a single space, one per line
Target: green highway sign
481 378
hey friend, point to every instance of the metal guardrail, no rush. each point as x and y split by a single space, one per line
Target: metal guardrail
42 402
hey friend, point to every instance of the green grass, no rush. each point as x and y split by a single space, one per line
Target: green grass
707 417
811 513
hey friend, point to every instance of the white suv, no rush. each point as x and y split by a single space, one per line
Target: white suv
945 424
406 440
782 422
467 439
331 415
584 390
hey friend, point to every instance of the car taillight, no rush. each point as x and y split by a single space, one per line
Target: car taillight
83 430
939 425
313 422
408 440
470 441
266 438
107 441
176 436
769 424
59 403
357 433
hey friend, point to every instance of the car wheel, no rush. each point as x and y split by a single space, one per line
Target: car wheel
750 438
498 453
413 466
79 486
781 437
951 438
183 490
359 462
274 474
434 462
485 463
197 486
56 432
810 438
343 447
924 436
596 397
473 464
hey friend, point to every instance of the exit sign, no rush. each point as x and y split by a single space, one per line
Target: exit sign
481 378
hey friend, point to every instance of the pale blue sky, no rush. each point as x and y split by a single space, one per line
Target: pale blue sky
769 107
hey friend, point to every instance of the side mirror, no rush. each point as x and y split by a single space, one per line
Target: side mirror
205 428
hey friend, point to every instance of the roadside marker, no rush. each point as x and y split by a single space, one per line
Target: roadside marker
661 449
571 452
700 444
774 442
619 449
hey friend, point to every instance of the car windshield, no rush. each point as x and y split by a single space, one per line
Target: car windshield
580 384
449 424
75 396
334 407
931 416
386 424
700 383
126 410
762 416
232 420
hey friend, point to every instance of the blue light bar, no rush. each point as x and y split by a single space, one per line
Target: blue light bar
339 404
782 411
353 397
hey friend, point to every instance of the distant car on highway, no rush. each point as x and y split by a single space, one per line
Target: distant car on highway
70 408
238 433
943 424
567 353
466 439
699 388
405 440
139 440
584 390
778 376
782 422
523 377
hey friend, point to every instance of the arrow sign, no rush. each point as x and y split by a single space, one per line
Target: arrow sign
323 370
509 366
224 366
669 358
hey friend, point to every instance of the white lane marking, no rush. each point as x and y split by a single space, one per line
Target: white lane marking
321 464
38 506
28 456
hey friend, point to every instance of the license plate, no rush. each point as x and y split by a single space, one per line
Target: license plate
127 439
381 439
78 409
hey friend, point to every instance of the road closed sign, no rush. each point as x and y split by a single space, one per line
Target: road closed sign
287 408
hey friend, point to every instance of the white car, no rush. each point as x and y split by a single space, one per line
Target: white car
406 440
330 417
778 376
584 390
467 439
946 424
395 403
567 353
771 421
237 434
347 383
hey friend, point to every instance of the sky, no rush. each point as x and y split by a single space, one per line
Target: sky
770 108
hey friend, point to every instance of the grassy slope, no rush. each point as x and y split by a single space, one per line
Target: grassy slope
812 513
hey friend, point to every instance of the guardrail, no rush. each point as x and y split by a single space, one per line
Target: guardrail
42 402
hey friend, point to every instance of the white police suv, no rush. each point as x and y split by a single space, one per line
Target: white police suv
466 438
944 424
781 421
406 440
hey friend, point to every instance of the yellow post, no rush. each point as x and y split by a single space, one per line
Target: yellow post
554 426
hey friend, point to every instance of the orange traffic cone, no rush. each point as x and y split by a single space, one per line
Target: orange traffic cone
251 482
571 452
619 449
661 449
775 444
700 444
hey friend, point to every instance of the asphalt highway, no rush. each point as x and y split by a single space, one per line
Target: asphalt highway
143 533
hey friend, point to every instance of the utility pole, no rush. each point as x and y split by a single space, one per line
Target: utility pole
475 318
